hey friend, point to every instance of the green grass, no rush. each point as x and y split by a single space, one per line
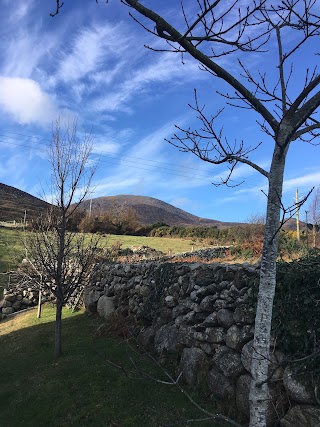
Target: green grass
163 244
80 388
11 252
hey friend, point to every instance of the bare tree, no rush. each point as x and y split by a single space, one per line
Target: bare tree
64 258
286 111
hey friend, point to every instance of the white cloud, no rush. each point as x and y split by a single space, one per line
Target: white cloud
25 101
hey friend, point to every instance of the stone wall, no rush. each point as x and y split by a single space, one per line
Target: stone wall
22 292
200 315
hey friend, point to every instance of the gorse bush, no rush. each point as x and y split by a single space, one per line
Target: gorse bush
296 319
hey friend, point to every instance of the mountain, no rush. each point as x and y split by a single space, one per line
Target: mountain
14 203
149 211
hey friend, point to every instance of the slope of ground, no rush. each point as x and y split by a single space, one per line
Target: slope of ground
14 203
82 388
150 210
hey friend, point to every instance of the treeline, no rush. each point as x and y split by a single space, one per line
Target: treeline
124 221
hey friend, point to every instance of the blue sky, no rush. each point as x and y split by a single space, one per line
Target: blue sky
89 63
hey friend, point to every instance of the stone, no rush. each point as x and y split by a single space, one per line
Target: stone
170 301
220 303
207 303
225 318
296 389
7 310
167 339
211 320
5 303
180 309
144 291
90 300
228 361
302 416
215 335
194 365
146 337
237 337
10 297
105 306
16 305
204 276
243 315
202 292
26 301
246 355
275 368
219 385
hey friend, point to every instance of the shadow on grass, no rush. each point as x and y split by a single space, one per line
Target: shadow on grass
80 388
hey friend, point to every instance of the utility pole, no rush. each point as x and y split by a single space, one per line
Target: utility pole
297 215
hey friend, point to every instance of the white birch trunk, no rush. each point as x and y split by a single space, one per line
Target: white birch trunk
260 357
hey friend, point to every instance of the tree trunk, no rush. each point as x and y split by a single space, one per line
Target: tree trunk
261 347
39 304
58 327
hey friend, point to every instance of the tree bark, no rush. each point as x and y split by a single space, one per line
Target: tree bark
261 347
58 327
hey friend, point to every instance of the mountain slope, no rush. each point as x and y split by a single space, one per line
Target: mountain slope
150 210
14 203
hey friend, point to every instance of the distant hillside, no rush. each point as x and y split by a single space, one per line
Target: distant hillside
150 211
14 202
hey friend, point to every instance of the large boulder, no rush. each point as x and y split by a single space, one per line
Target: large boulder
228 361
219 385
167 339
105 306
297 389
194 365
91 298
7 310
237 336
302 416
225 317
276 357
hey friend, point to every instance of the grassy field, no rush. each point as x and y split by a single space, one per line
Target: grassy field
12 248
163 244
11 252
80 388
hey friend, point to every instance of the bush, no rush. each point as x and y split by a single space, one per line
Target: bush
296 316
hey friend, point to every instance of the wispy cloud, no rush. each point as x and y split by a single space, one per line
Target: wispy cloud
304 182
90 50
163 69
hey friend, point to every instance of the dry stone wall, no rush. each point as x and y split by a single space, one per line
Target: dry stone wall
201 316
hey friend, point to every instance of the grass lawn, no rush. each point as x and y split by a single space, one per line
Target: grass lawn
80 388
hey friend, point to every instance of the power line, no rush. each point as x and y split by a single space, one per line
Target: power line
110 154
129 163
121 159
